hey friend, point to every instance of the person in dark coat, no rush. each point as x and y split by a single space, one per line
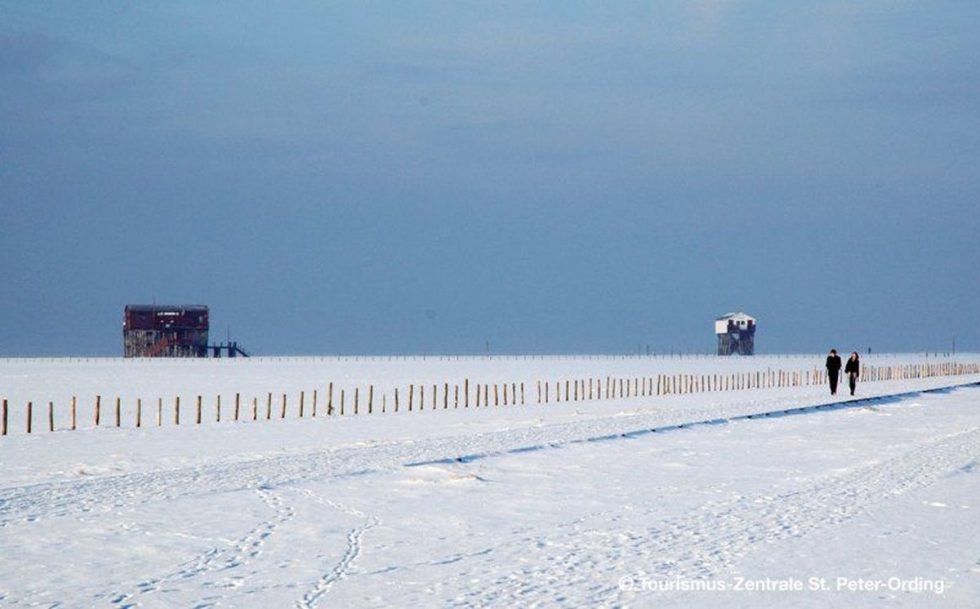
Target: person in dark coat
853 370
833 370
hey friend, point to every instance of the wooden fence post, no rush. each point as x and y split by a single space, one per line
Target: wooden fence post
396 399
74 419
3 422
411 396
357 391
255 408
341 402
522 393
370 399
50 416
455 396
466 393
217 406
30 416
496 395
159 412
98 409
435 395
139 412
198 418
282 414
238 405
302 399
268 406
445 396
314 404
177 410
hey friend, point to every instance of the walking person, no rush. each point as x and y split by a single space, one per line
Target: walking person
833 370
853 370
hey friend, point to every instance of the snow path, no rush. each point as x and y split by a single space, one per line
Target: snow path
103 494
865 402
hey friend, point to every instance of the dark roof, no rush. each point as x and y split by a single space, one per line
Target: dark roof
154 308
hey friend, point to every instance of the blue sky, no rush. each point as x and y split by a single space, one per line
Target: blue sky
392 177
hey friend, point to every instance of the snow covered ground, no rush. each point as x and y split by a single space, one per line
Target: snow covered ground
571 504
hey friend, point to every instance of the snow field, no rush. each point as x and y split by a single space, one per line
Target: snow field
560 509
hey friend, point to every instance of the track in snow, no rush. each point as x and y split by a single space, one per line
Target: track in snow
635 433
227 560
339 571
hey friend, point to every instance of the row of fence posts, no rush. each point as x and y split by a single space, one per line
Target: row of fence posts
500 394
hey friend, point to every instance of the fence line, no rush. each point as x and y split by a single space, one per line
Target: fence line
508 394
